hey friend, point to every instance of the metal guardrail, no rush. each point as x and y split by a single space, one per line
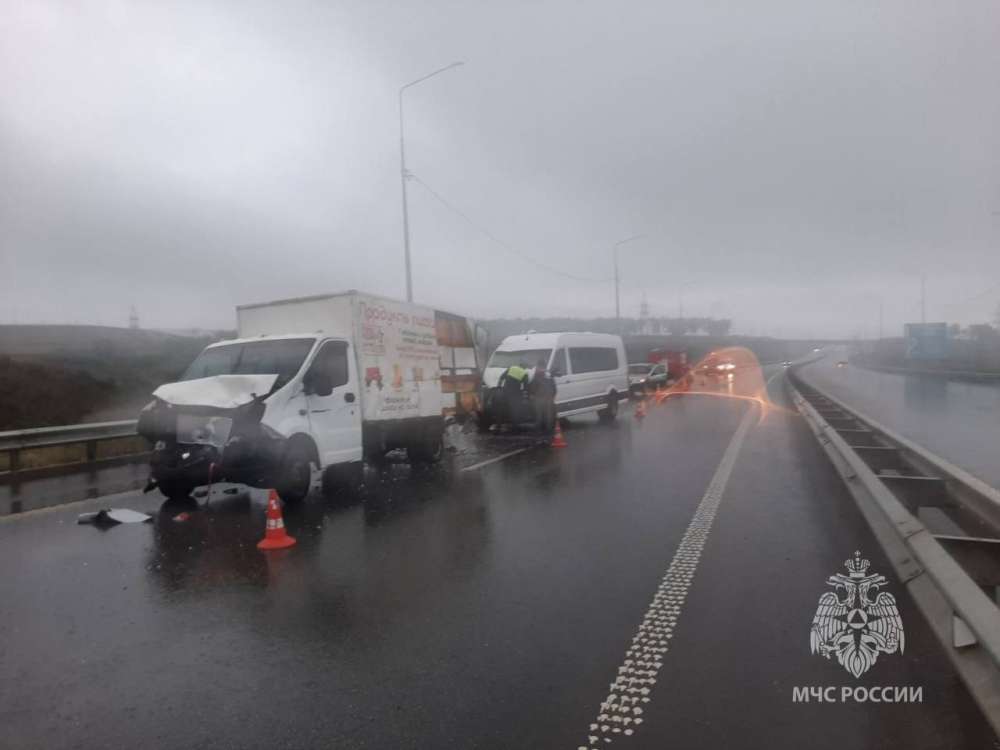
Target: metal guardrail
14 442
945 569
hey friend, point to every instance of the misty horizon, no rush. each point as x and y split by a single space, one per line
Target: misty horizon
796 171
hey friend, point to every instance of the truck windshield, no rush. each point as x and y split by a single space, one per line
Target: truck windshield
526 358
283 358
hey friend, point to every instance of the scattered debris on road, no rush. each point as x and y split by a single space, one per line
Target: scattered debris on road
113 517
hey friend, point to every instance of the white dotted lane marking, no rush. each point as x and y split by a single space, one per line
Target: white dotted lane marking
621 713
501 457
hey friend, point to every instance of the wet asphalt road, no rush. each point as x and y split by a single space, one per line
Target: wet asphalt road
957 420
488 608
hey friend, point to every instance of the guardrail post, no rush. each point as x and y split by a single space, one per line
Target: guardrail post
15 460
91 451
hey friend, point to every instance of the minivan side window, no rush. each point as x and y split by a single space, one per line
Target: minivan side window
559 363
332 359
593 358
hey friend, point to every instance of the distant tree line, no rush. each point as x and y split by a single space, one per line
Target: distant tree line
34 394
58 375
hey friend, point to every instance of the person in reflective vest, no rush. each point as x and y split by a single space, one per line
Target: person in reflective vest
513 388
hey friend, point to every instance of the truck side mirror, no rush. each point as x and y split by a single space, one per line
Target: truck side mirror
317 383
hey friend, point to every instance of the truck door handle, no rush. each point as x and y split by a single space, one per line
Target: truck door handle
349 397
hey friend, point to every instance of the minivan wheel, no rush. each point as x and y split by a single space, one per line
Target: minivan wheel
610 412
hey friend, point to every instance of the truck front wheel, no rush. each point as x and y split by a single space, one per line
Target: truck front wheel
295 479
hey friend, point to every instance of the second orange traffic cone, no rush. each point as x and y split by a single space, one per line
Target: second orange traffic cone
640 410
275 536
558 441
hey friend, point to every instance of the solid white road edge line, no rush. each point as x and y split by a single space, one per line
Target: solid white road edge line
501 457
621 712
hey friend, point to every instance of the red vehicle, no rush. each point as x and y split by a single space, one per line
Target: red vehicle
676 361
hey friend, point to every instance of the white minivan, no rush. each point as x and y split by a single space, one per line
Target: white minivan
590 371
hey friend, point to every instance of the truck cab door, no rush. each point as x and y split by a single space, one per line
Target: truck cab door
333 404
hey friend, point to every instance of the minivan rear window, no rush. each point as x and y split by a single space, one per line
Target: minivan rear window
593 358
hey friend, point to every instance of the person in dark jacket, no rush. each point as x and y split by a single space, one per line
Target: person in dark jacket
542 391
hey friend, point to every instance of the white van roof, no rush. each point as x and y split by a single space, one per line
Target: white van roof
522 341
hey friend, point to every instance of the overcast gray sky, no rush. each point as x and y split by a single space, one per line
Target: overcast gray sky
790 164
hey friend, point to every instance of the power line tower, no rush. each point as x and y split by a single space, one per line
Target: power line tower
133 318
644 316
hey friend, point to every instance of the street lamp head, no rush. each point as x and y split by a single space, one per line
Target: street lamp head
614 252
456 64
629 239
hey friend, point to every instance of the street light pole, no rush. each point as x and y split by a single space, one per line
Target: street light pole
403 175
923 298
406 212
618 309
614 250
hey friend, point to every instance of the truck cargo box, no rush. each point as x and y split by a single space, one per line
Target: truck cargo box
414 361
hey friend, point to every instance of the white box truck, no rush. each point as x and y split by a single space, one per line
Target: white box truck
314 383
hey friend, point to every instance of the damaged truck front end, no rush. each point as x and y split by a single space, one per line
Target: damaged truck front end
198 445
211 430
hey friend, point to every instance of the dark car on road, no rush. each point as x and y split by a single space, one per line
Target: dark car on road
643 376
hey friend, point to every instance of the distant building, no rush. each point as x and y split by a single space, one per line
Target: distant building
926 340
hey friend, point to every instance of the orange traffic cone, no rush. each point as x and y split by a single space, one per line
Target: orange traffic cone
275 536
558 441
640 410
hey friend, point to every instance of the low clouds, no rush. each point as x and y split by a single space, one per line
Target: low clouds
792 167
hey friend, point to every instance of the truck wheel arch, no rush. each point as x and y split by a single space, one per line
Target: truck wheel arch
303 442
